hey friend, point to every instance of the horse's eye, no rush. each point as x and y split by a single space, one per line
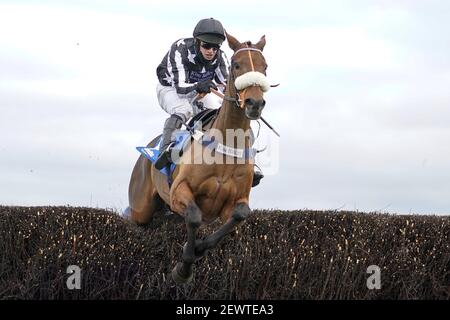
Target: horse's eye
236 66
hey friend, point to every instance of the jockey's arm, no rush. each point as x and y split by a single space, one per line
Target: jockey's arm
179 72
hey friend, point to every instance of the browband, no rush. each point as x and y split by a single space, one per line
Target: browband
247 49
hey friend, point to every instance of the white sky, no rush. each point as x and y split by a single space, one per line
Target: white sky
363 107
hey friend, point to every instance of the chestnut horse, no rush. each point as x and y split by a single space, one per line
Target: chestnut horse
202 193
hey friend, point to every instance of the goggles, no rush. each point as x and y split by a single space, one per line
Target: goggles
208 46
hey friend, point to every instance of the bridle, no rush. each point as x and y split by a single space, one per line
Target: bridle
240 93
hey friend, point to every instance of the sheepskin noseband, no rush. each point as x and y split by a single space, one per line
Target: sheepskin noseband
252 78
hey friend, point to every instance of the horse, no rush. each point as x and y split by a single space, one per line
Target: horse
204 192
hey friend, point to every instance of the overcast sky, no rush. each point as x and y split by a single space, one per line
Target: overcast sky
363 108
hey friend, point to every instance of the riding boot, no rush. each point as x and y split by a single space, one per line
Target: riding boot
257 176
172 123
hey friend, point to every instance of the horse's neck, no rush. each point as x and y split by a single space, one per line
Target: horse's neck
231 117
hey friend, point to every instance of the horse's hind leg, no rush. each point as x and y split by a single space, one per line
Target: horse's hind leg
240 212
143 197
146 212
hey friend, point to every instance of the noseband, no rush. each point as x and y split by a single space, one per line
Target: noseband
246 80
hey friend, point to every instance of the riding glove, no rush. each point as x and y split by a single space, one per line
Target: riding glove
205 86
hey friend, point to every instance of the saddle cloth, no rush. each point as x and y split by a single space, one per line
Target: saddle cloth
181 138
152 153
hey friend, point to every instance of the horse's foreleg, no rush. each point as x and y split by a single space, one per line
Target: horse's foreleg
240 212
183 201
183 271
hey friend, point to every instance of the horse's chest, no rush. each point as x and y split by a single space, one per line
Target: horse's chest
216 195
217 188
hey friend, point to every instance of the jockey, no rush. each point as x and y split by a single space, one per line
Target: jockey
192 66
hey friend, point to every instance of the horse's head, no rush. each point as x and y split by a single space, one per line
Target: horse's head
248 73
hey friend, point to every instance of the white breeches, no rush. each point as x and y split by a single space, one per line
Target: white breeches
183 104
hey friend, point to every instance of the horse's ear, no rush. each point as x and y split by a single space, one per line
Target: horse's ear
261 43
232 42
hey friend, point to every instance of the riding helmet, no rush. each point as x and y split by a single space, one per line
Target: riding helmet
210 31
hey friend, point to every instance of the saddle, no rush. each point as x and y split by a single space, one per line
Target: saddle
204 117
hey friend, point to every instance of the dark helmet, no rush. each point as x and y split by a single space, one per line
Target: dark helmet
210 30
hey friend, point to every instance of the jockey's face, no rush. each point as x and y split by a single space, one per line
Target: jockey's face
208 50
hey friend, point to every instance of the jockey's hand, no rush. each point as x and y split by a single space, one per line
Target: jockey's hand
205 86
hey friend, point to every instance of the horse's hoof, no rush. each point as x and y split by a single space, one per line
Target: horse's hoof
178 278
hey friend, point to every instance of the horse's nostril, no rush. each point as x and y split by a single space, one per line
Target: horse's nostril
259 104
255 103
250 101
